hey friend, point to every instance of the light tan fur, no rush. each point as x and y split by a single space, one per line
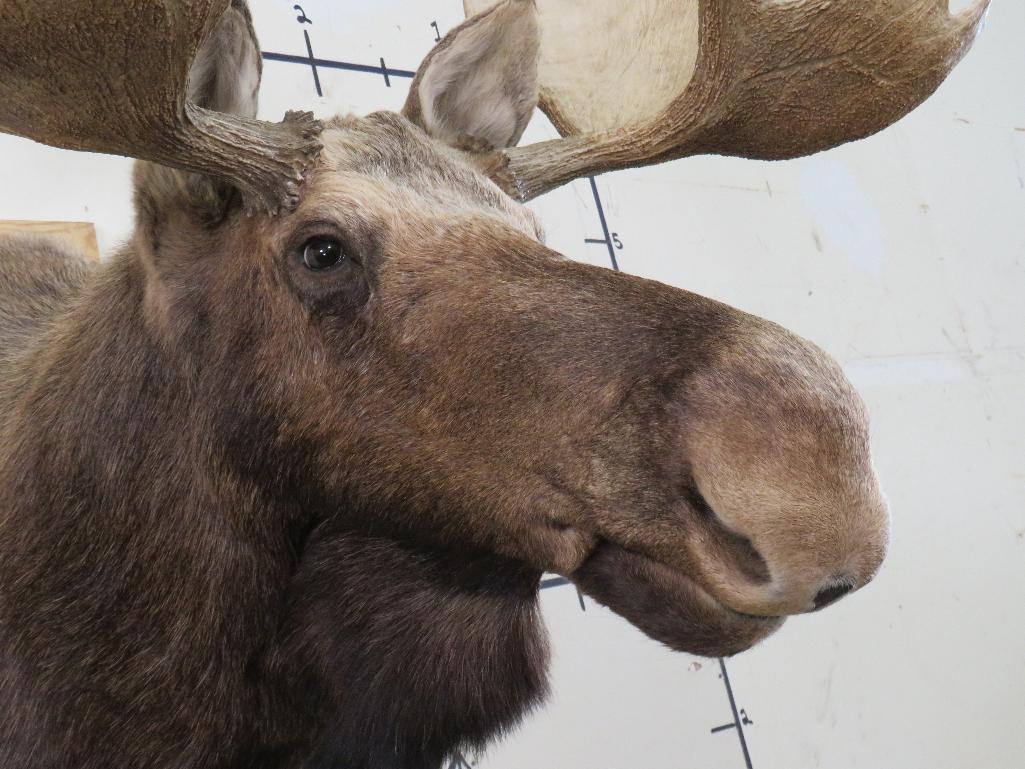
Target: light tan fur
479 95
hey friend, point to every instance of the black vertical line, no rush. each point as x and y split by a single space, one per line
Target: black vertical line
604 224
736 714
384 71
313 62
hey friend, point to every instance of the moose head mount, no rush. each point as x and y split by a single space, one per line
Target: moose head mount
278 480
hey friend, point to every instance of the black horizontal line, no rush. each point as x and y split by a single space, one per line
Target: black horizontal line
331 64
723 728
554 582
599 241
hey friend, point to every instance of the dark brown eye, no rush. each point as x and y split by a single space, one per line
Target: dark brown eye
323 253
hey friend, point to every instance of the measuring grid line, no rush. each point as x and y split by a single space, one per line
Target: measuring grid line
459 760
311 61
736 714
547 584
604 225
554 582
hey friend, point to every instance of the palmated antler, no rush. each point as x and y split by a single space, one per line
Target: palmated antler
112 76
637 82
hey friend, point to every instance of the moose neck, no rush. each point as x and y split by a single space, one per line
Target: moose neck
397 656
131 586
229 620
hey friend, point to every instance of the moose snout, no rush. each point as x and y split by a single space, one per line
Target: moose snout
803 564
783 493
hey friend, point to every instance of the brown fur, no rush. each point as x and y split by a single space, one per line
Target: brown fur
257 516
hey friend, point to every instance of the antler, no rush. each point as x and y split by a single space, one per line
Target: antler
646 81
112 76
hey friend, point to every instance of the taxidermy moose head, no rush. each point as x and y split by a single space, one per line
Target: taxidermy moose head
279 478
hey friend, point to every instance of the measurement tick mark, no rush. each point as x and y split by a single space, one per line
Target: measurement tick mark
313 62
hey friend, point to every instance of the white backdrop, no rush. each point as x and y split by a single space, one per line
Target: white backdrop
904 256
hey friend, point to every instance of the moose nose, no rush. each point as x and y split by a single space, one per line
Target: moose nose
831 594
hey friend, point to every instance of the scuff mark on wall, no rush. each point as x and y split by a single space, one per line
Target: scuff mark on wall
844 213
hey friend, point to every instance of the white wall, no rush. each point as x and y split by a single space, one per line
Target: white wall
904 256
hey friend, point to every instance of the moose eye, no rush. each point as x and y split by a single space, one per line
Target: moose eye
323 253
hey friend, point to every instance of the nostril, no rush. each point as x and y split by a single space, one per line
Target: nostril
831 594
731 547
698 502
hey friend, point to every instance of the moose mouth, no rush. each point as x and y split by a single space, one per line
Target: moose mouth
668 606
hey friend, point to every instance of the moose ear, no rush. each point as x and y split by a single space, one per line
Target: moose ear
479 86
225 77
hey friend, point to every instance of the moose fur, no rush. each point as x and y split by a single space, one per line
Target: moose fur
256 515
150 620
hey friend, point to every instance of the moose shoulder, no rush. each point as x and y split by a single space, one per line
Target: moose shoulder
277 491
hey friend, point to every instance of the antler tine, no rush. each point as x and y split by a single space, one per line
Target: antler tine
112 76
751 78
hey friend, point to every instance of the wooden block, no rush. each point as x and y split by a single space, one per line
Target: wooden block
80 235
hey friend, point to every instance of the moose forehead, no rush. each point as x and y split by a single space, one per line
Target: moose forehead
385 163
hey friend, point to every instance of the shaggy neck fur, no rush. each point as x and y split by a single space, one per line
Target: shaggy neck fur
158 609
